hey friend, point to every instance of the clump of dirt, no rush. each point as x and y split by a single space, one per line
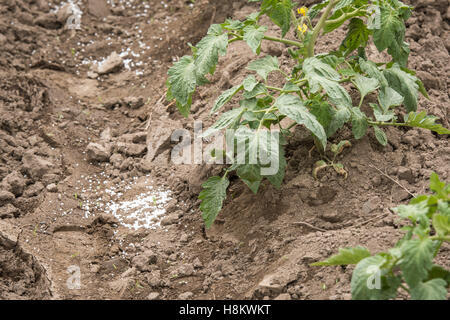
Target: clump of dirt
86 173
21 275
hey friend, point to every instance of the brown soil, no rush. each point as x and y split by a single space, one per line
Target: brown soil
58 194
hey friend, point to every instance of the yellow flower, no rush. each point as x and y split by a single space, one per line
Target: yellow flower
303 28
302 11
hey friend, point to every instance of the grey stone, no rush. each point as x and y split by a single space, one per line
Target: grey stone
186 295
97 153
112 63
15 183
153 296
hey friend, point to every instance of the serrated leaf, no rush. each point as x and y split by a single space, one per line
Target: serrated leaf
277 179
365 85
260 88
434 289
293 107
323 113
417 256
213 194
441 224
289 86
371 69
414 212
380 135
264 66
359 123
437 185
345 256
388 97
369 282
320 74
340 117
405 84
280 13
253 35
250 83
225 97
315 9
357 36
381 114
391 35
251 175
182 82
208 50
421 120
227 119
438 272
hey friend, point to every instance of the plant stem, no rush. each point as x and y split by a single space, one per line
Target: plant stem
395 124
285 41
281 90
318 28
345 16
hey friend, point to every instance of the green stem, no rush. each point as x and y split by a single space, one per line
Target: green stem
285 41
318 28
281 90
345 16
394 124
440 238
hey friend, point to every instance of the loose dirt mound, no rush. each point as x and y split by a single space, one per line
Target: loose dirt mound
86 174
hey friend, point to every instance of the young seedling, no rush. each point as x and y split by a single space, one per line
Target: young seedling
409 265
315 93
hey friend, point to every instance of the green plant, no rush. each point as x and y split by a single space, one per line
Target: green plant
315 93
409 265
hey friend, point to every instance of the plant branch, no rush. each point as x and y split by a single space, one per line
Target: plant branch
318 27
285 41
345 16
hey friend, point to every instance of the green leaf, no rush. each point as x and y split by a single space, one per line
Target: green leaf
381 114
431 290
280 13
293 107
277 179
417 256
264 66
250 83
438 272
414 212
388 97
260 88
213 194
315 69
340 117
369 282
437 185
253 35
182 82
320 74
315 9
441 224
359 123
357 36
380 135
225 97
209 48
371 69
391 35
345 256
323 112
365 85
405 84
421 120
251 175
227 119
